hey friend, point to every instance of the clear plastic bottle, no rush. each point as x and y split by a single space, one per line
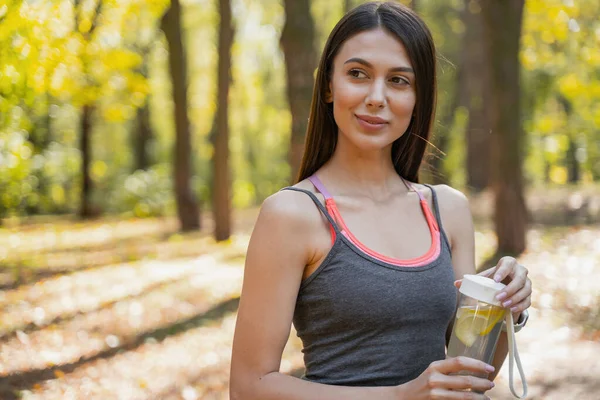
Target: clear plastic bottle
478 325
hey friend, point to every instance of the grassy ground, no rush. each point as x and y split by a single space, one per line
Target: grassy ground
129 309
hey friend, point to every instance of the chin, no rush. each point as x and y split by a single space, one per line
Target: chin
369 142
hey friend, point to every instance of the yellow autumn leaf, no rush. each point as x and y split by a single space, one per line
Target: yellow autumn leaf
98 169
558 174
120 59
570 85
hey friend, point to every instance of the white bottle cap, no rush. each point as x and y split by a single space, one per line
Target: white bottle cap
481 288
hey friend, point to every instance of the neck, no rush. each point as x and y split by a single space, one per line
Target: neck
351 171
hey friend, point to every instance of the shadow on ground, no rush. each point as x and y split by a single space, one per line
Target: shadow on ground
12 384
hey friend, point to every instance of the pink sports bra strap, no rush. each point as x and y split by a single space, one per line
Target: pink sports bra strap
319 185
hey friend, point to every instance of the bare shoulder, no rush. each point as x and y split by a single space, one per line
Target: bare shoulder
451 199
292 208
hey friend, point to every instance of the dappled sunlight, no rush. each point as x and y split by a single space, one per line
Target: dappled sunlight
154 370
110 242
63 235
99 328
135 133
558 350
164 328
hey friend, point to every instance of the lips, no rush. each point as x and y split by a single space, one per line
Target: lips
372 120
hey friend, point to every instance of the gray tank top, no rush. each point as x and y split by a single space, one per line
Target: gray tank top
367 322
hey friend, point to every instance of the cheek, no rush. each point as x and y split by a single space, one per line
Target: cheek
403 103
345 95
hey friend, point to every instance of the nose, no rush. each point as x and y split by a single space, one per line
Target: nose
376 96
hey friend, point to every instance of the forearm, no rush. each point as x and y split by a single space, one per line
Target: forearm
277 386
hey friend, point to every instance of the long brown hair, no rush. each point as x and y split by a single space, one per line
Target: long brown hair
406 26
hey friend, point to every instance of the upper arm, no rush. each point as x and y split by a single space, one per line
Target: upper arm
277 254
458 224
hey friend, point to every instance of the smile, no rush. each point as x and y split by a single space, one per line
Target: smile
371 123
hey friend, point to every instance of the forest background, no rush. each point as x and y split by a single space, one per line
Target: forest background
143 135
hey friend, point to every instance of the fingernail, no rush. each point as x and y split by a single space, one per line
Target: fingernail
507 303
492 385
497 277
489 368
501 296
513 309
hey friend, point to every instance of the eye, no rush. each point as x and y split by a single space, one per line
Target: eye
356 73
400 80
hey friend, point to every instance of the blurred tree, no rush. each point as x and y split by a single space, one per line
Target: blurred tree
501 37
86 26
187 205
298 42
562 68
573 169
445 22
142 135
474 82
221 199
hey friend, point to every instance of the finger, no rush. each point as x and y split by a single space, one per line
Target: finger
505 266
458 283
488 273
522 306
461 382
454 395
457 364
517 283
518 297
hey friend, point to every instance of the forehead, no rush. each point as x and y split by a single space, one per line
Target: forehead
376 46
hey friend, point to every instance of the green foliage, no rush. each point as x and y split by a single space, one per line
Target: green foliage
49 68
561 78
144 193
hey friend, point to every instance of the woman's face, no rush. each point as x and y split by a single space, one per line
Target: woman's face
373 90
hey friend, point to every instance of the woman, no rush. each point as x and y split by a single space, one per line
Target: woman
357 255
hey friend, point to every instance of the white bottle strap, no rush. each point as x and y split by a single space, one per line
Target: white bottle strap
513 355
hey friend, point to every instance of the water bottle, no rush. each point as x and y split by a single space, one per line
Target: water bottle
478 324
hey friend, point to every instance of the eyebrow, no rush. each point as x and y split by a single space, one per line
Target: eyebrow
369 65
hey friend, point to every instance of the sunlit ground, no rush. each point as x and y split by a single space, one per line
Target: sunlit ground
122 309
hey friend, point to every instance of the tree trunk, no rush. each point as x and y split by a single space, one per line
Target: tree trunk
187 205
502 41
573 168
142 138
221 176
297 40
476 88
86 210
143 135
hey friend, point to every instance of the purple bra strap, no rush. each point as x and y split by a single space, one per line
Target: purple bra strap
410 186
321 188
319 185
